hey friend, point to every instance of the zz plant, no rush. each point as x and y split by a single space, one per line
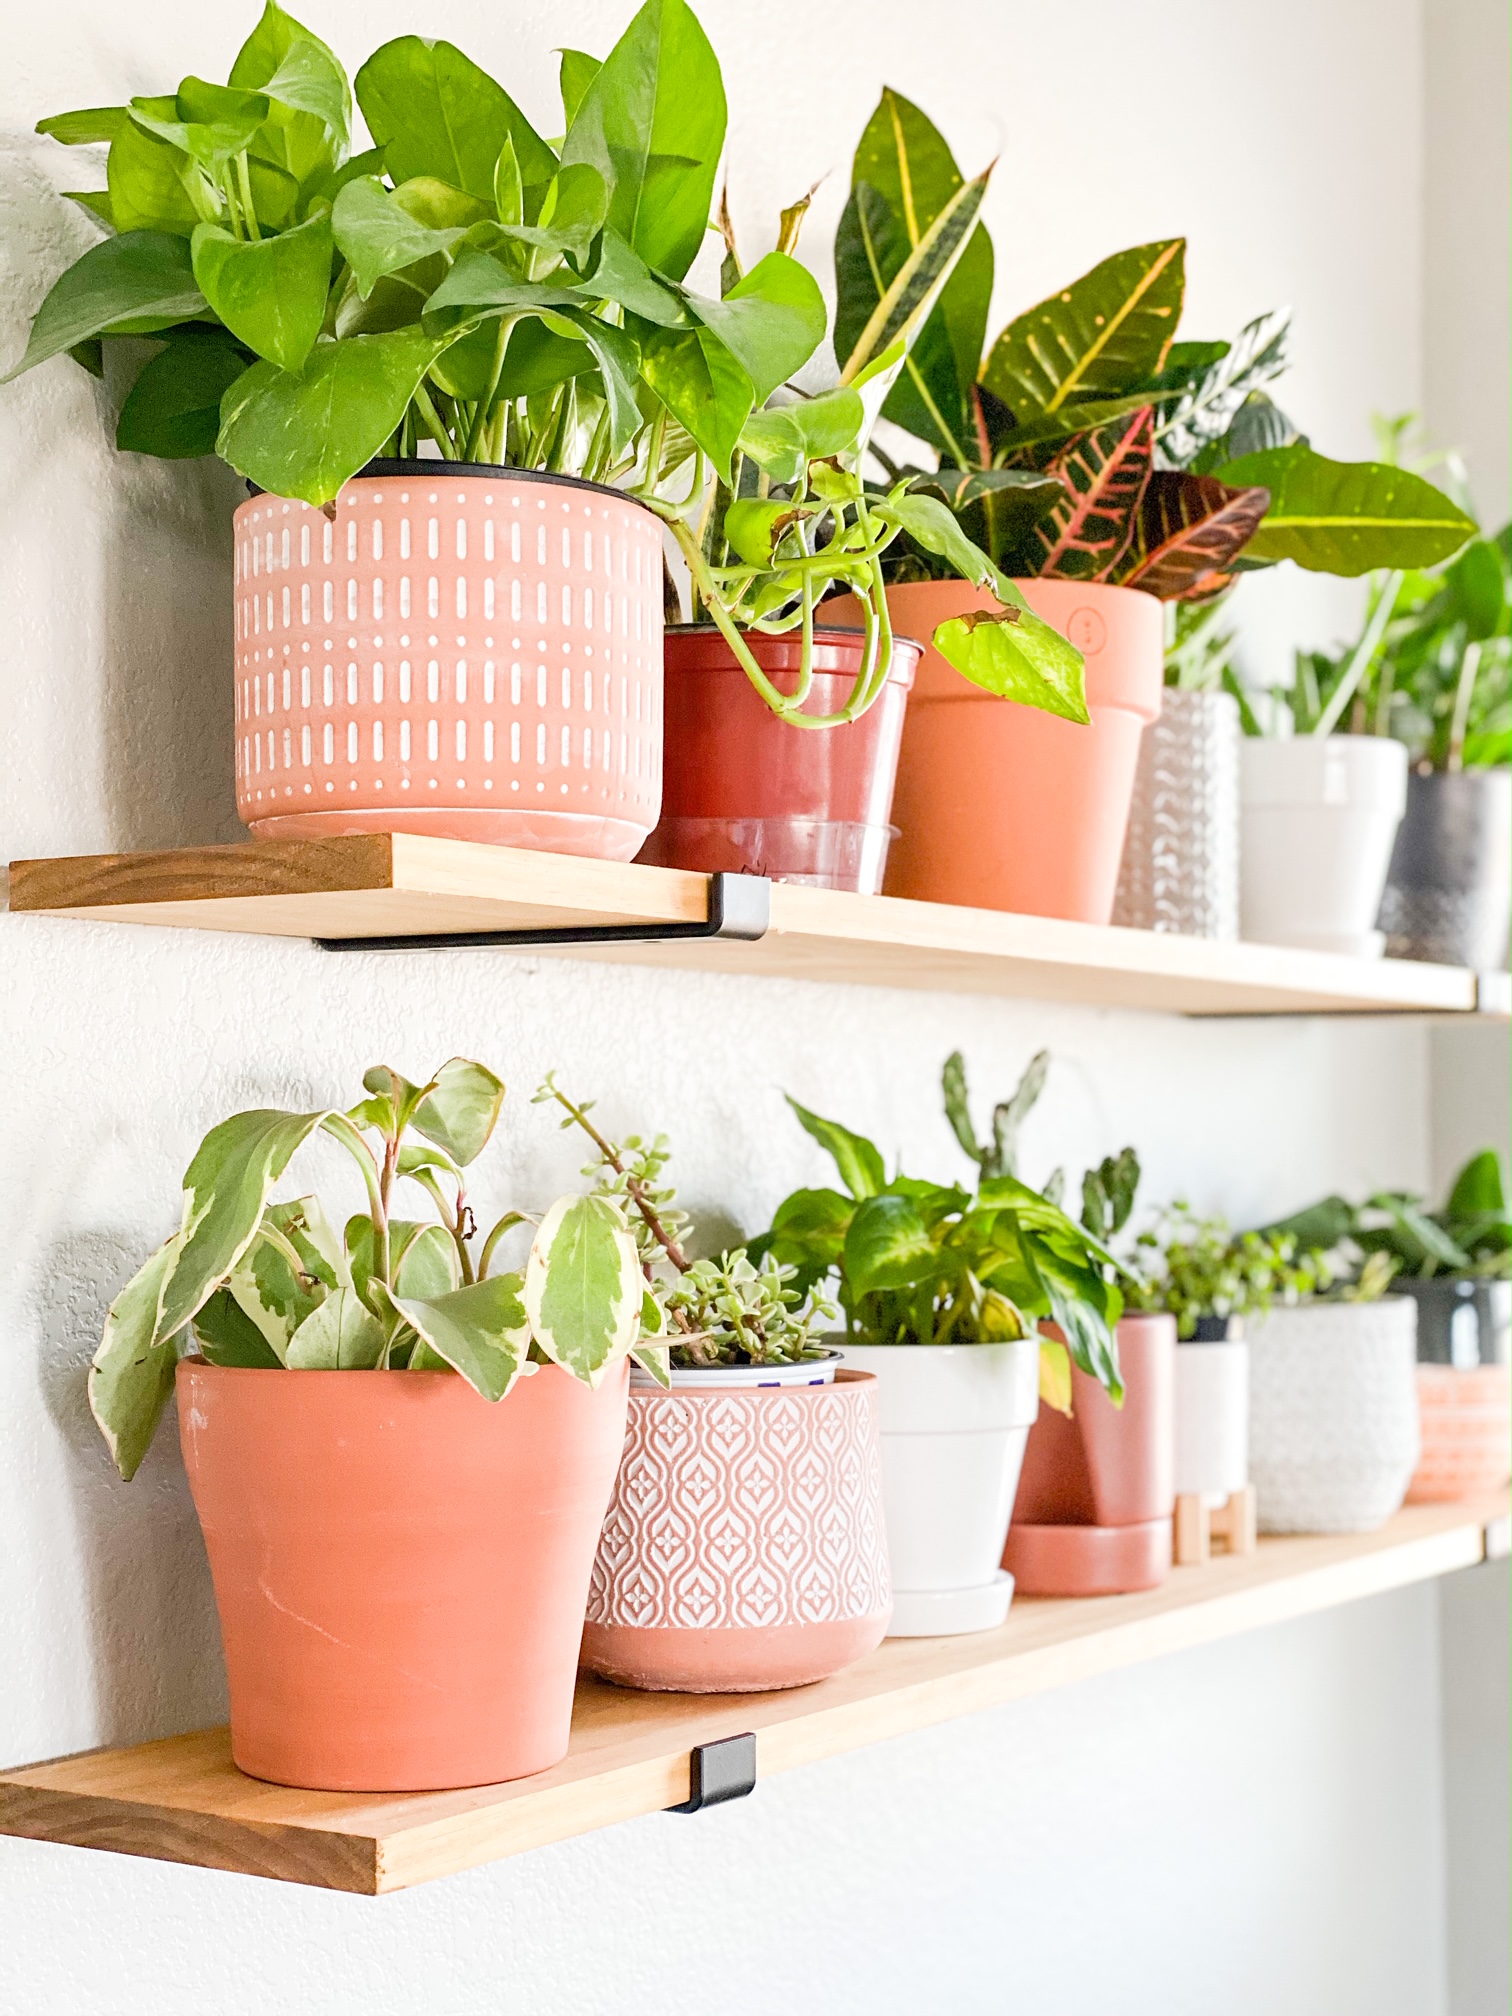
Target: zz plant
248 1282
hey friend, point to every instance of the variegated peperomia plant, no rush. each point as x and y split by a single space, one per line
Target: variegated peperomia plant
251 1283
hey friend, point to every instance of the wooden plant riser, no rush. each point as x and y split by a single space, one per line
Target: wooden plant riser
1198 1525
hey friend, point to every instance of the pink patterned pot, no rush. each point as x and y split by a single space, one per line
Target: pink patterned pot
1466 1416
474 654
744 1547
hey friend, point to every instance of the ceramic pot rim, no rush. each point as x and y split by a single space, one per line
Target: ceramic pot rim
383 466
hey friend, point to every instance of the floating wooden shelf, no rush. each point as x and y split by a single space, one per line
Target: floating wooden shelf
183 1800
403 885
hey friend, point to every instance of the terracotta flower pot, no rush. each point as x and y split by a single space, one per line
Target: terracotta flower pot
744 1547
1466 1418
400 1568
1004 806
462 651
1095 1498
747 793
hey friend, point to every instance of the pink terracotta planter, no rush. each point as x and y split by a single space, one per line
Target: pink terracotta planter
1466 1418
473 654
1097 1492
744 1547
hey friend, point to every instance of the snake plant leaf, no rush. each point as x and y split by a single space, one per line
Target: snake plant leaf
583 1286
858 1160
303 434
99 124
136 283
652 122
771 321
1104 472
622 275
1208 405
460 1109
702 386
1188 527
376 234
902 291
226 1335
1105 334
1347 517
147 181
173 409
575 73
341 1335
481 1330
132 1372
271 293
783 440
434 112
888 1245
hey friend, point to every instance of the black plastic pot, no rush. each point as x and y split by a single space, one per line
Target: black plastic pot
1449 888
1217 1330
1462 1319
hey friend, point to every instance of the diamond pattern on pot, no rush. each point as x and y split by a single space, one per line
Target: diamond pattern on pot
746 1509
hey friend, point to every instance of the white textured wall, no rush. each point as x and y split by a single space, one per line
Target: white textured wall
1047 1853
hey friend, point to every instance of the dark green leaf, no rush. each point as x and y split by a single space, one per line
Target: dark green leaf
1105 334
1478 1187
623 276
173 409
227 1335
888 1245
136 283
1347 517
1207 406
857 1159
902 290
699 382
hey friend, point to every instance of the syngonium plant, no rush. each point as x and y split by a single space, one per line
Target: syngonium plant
248 1282
467 286
1086 443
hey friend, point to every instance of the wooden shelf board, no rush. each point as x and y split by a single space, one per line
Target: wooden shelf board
182 1799
404 885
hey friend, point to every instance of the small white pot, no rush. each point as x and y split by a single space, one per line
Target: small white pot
1319 816
955 1420
1333 1414
1212 1419
1180 868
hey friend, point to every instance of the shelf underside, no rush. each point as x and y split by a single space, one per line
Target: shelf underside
182 1799
404 885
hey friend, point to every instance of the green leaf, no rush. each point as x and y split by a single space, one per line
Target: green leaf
996 508
271 293
1478 1188
303 435
460 1109
376 234
783 440
902 291
85 129
1209 404
340 1335
96 202
210 123
132 1373
1103 474
142 279
858 1160
652 122
702 386
508 187
622 275
425 1262
755 527
1018 657
1105 334
478 283
481 1331
146 177
312 109
583 1286
1188 530
888 1245
770 322
227 1335
434 112
571 214
618 357
1347 517
577 73
173 409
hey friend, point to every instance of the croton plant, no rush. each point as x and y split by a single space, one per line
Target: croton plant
1087 443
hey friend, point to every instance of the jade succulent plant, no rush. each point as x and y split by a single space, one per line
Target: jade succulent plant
246 1281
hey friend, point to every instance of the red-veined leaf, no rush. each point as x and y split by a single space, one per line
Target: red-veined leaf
1187 529
1104 473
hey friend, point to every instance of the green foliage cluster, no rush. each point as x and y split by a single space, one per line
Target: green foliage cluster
1470 1234
1193 1267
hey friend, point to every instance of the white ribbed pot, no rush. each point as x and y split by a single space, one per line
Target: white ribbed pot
1334 1434
1318 819
955 1421
1180 868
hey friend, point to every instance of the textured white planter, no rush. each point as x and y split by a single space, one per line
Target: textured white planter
1180 869
1212 1419
1333 1414
1319 816
955 1419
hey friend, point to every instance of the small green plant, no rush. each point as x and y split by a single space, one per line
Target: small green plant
1193 1267
727 1311
248 1282
1470 1234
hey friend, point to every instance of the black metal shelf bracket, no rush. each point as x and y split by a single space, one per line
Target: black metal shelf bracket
740 906
718 1772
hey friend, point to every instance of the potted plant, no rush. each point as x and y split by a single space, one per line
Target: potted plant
941 1290
744 1547
400 1454
1105 466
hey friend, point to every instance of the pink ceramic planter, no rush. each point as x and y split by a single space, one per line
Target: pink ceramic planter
744 1547
475 655
1466 1417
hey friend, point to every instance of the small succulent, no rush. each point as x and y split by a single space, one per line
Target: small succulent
1192 1266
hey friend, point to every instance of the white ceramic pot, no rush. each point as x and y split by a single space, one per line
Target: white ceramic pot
955 1419
1333 1414
1212 1419
1180 869
1319 815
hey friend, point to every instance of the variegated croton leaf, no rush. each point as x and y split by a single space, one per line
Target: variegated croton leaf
1103 472
1187 529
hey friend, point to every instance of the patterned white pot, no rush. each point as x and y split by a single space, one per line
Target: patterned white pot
1180 869
1334 1434
744 1547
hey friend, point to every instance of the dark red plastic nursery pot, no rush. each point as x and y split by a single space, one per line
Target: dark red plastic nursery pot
746 793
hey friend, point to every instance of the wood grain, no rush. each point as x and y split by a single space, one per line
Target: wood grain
182 1799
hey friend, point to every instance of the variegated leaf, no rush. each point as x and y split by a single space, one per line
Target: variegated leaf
1188 528
480 1331
341 1335
584 1286
132 1373
1105 334
1205 410
1104 473
873 264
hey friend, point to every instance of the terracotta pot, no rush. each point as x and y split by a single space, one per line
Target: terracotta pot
749 794
462 651
1095 1498
1466 1421
400 1568
1007 807
744 1547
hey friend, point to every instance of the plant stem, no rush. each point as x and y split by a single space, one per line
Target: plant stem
342 1130
1459 720
244 183
485 404
433 423
1364 652
633 1184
